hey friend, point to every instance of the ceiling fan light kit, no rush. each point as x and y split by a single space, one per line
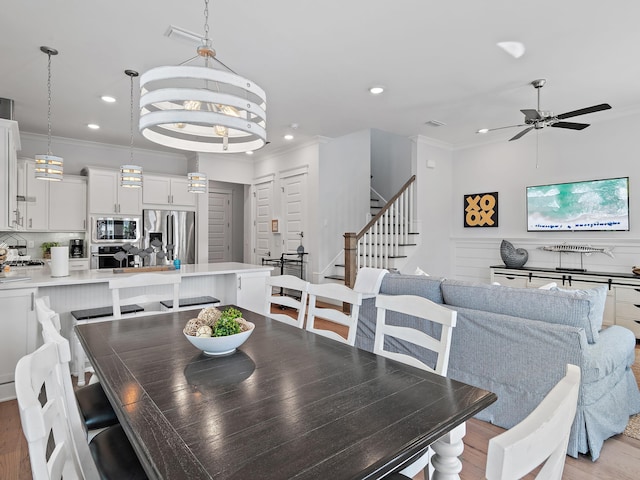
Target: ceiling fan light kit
201 108
538 119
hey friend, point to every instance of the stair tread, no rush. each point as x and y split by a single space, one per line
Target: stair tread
389 256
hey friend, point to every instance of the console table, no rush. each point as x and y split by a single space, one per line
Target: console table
623 295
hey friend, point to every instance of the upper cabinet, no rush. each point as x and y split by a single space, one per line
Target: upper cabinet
50 206
164 190
9 145
107 197
68 204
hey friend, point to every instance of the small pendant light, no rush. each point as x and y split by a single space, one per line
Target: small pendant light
197 182
131 175
49 167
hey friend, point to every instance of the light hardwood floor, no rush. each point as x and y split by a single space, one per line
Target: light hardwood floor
619 459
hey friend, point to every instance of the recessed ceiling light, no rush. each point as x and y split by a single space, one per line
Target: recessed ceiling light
108 99
249 152
376 90
483 130
515 49
93 126
288 136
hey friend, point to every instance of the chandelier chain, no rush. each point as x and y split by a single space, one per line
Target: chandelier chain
206 22
49 105
131 129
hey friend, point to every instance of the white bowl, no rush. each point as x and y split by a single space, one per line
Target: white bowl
216 346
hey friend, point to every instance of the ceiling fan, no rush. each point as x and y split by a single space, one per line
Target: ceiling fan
538 119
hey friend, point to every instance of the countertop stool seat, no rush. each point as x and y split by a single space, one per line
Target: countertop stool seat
191 303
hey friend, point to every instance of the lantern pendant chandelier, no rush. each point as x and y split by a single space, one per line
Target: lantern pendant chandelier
131 175
201 108
49 167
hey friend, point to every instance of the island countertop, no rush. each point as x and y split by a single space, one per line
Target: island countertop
41 276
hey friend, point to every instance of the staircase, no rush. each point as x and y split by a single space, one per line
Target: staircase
384 241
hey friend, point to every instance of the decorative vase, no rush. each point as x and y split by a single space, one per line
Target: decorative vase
511 256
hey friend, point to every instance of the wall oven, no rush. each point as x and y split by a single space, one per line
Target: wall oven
116 229
110 256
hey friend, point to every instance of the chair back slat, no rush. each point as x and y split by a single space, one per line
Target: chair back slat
541 438
336 293
281 299
422 308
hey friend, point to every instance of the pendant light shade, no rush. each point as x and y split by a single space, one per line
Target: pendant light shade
131 175
197 182
201 108
49 167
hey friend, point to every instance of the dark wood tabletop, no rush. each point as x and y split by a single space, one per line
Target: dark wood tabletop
287 404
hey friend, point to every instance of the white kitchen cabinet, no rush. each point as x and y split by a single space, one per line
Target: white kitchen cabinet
76 264
9 145
68 204
250 290
107 197
165 190
19 334
36 200
50 206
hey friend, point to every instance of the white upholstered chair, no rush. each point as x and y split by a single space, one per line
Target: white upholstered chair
422 308
541 438
338 293
121 292
298 302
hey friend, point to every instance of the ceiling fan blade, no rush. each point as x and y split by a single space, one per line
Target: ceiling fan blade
530 114
520 134
508 126
571 125
584 111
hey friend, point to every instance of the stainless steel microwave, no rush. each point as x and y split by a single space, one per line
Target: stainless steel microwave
116 229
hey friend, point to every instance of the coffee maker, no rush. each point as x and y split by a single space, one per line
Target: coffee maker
76 248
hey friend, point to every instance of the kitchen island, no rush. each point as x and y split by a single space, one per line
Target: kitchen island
233 283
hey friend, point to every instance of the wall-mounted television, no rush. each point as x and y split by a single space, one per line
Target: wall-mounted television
592 205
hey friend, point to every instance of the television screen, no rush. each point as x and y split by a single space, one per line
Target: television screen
586 206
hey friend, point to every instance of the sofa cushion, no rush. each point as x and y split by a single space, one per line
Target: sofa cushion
421 285
578 308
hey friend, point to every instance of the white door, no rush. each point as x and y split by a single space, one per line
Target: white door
263 196
294 212
219 226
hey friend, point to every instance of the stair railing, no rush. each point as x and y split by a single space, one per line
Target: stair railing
382 237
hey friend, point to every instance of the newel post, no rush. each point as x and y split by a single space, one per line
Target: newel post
350 258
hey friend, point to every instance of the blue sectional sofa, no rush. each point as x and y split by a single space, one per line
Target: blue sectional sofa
516 342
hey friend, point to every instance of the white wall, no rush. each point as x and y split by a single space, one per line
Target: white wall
343 198
432 164
232 168
390 162
604 150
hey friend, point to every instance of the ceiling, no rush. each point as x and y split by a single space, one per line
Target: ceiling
316 60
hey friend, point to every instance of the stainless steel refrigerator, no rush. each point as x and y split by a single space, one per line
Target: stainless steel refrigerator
176 232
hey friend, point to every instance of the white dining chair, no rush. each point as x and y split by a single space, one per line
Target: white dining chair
334 292
123 289
108 455
541 438
96 412
436 339
296 299
41 422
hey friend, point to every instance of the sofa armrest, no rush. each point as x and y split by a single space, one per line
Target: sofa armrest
614 349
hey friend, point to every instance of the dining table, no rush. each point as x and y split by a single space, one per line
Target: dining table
286 404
